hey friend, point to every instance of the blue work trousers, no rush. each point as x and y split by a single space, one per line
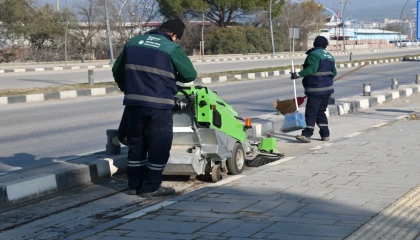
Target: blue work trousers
149 141
315 113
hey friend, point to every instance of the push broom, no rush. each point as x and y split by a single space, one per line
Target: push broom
289 105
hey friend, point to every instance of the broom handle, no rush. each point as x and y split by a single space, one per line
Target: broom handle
352 71
294 86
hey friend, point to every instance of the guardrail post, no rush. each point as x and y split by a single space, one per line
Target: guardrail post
417 78
366 89
351 57
91 77
113 146
394 83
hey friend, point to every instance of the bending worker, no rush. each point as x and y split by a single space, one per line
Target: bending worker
318 73
147 70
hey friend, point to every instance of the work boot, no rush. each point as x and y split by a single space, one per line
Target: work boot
132 192
161 192
325 139
304 139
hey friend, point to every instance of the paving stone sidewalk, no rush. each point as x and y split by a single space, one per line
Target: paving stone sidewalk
329 194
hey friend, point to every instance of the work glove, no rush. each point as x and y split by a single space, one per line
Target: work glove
294 76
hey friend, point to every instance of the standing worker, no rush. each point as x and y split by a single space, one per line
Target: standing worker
147 71
318 74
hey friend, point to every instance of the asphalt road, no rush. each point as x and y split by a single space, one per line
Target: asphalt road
47 79
39 133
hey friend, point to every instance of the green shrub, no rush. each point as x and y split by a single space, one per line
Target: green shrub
241 40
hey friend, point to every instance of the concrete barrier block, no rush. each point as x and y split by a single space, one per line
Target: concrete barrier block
68 94
251 75
223 79
57 68
205 80
3 100
32 186
408 92
395 95
381 99
364 104
237 77
98 91
35 98
343 109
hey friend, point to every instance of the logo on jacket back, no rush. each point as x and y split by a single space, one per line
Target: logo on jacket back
326 54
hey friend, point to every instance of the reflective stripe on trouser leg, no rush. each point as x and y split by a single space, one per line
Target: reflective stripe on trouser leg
137 151
159 135
322 120
311 112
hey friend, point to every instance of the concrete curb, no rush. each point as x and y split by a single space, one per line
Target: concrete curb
263 57
28 184
58 68
199 81
57 95
265 124
22 185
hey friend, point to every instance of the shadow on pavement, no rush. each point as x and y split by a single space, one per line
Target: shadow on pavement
22 161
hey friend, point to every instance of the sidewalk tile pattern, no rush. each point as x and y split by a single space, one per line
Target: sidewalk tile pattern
331 193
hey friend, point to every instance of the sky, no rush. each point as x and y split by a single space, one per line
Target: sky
373 9
363 10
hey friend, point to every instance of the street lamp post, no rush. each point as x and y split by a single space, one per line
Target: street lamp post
400 22
271 30
108 29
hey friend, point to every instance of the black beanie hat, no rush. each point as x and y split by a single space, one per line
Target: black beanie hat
175 25
321 41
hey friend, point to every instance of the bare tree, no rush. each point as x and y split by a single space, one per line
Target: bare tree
89 25
130 18
307 16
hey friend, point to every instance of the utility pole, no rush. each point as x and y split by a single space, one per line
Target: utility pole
400 22
108 29
271 30
202 39
57 5
343 21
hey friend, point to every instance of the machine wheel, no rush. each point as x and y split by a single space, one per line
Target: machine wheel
236 163
216 173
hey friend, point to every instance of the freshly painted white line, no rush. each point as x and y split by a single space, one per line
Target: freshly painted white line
227 180
321 146
353 134
149 209
379 125
400 117
286 159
